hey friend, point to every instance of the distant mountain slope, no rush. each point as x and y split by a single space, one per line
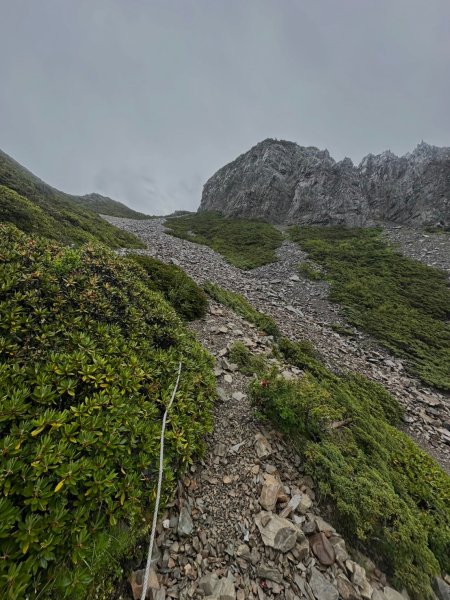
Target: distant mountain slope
104 205
36 207
285 183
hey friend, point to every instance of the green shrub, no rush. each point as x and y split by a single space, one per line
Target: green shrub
387 494
188 299
56 215
247 362
243 243
88 360
243 308
24 214
403 303
302 354
310 272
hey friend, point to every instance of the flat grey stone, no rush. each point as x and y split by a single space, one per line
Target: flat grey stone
321 587
391 594
185 524
225 590
441 588
270 573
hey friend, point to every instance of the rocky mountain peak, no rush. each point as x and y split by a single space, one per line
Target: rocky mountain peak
285 183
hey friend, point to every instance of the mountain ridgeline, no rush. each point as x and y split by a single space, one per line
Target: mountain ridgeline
285 183
38 208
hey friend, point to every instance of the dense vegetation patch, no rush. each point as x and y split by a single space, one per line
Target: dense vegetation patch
25 215
59 216
403 303
243 243
240 305
88 360
387 494
188 299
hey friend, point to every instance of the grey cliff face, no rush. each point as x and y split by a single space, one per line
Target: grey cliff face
285 183
413 189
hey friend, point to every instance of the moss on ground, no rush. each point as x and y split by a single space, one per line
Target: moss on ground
88 360
403 303
243 243
388 496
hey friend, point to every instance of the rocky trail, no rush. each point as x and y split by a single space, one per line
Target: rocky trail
245 523
302 311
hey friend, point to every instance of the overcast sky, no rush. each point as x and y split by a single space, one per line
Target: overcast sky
143 100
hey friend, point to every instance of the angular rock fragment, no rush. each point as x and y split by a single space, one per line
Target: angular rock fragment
346 589
225 590
185 524
208 582
269 493
391 594
137 583
292 506
262 446
270 573
304 504
322 548
441 588
276 532
321 587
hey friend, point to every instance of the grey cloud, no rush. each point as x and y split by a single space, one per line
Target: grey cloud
144 100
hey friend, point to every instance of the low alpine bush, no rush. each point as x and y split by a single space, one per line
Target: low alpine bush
187 298
388 496
248 362
88 360
244 243
403 303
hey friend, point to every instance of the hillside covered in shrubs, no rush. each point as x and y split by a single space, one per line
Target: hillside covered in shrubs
35 207
104 205
401 302
187 298
388 496
88 360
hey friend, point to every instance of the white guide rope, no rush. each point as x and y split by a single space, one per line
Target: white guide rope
158 493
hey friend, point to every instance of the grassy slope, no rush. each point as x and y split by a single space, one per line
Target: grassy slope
58 215
403 303
243 243
107 206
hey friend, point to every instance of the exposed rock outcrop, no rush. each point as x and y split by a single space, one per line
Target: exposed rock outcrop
285 183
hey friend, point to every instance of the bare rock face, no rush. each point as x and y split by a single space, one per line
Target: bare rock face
284 183
412 189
